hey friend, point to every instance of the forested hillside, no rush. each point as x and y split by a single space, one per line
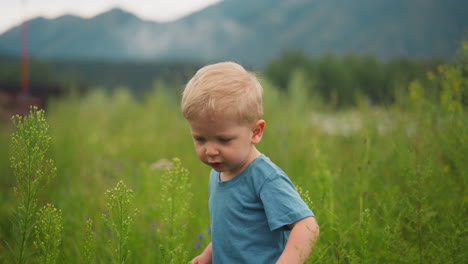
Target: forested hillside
254 32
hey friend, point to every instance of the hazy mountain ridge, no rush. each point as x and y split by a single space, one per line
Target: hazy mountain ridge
253 32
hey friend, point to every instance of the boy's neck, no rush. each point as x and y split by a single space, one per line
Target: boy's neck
223 176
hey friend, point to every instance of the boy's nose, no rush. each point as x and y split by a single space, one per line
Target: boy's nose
211 150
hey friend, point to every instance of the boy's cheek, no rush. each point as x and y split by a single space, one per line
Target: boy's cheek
200 154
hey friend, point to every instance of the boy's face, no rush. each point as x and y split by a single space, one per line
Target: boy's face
225 145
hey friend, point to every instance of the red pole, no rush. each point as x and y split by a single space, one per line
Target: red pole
24 58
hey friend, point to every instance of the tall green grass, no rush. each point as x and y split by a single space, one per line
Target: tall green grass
387 185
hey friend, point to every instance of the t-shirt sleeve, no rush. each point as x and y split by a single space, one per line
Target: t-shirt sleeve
282 203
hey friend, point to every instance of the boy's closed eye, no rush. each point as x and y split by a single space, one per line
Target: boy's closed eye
225 140
221 140
199 139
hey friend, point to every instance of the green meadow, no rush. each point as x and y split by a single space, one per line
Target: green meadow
111 178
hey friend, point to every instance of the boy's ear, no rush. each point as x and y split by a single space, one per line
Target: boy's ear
258 131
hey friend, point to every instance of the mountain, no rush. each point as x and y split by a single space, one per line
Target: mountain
253 32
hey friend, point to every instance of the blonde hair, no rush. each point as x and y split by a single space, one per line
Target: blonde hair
225 89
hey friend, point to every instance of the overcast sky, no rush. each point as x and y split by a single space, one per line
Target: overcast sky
12 12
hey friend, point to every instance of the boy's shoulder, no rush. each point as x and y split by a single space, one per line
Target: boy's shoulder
264 163
263 169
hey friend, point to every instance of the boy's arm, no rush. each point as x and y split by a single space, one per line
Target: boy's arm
206 257
304 234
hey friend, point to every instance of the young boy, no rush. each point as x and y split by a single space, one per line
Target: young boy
256 214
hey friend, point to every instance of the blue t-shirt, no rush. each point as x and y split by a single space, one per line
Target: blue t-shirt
249 214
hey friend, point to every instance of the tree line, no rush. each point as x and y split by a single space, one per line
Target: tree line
344 80
339 80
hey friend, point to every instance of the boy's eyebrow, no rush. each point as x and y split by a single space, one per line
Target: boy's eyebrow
225 136
220 135
195 134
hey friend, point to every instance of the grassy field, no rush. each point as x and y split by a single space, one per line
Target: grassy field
387 185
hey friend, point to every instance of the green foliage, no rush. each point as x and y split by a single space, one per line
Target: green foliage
48 234
364 230
174 206
68 75
119 218
89 248
40 72
29 144
138 76
341 81
387 184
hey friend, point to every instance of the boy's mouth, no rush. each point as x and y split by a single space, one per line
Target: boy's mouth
215 165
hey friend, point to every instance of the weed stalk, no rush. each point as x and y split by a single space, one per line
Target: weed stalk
48 231
29 144
119 220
